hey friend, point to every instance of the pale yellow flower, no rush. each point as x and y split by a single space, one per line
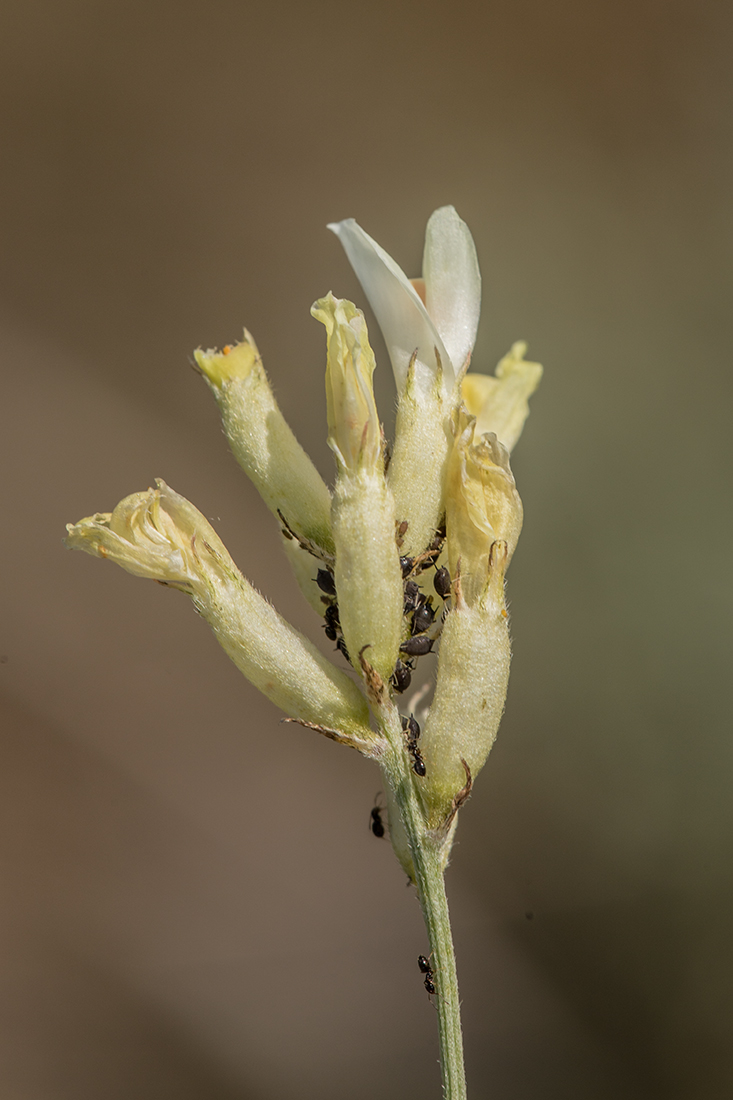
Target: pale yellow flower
500 401
160 535
354 434
482 505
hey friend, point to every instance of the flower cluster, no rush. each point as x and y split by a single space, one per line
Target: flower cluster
405 555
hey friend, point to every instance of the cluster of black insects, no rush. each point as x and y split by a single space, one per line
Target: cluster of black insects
332 625
416 606
419 607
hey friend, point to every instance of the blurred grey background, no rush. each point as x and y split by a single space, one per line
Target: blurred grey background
192 905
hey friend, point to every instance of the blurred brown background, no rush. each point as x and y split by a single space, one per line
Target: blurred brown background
192 906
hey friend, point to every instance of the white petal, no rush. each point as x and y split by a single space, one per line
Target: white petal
402 317
452 283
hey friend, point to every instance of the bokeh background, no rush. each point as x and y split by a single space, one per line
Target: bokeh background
192 905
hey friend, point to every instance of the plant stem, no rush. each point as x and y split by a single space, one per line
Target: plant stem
426 856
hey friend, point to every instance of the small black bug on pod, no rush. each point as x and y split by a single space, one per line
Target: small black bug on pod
406 566
418 764
412 732
341 646
325 581
441 582
401 677
417 646
437 543
426 969
332 623
411 728
422 618
331 615
413 597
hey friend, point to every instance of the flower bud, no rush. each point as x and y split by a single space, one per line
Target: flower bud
354 433
160 535
473 672
482 506
366 570
500 402
429 326
418 468
263 443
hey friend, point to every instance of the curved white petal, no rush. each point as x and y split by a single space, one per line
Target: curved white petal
402 317
452 283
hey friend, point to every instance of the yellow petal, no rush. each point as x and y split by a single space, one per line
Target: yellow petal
500 402
354 432
233 361
482 506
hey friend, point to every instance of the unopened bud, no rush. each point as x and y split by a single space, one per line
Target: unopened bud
354 433
473 672
263 443
482 506
160 535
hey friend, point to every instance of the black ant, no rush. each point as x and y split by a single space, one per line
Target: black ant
375 821
418 764
426 969
412 731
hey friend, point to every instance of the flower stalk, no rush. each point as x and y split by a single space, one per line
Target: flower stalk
400 559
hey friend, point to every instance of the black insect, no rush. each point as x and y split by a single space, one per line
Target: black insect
412 732
426 969
406 566
341 646
422 618
411 728
413 597
441 582
401 677
375 821
325 581
332 616
332 624
437 544
418 764
417 646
